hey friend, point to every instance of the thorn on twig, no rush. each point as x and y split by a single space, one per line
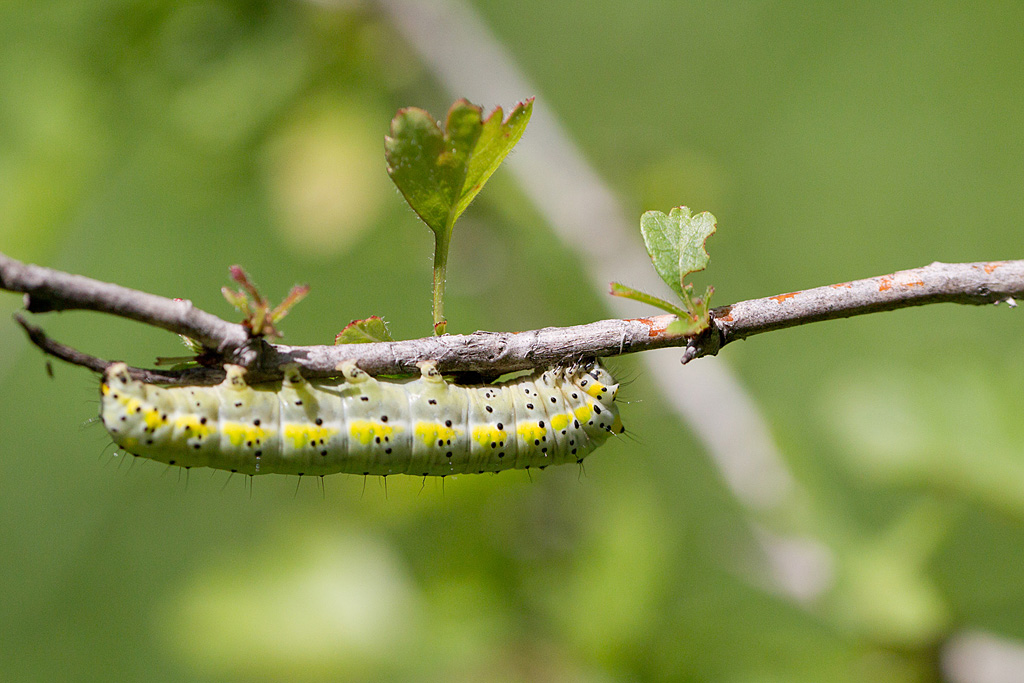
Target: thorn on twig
1011 302
689 353
707 343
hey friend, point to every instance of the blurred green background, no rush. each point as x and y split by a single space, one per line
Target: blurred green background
156 143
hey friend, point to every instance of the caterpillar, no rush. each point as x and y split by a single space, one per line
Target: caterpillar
358 424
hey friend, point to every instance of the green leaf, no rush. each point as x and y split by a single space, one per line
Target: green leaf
693 316
439 172
676 243
625 292
686 327
237 299
366 331
191 344
295 295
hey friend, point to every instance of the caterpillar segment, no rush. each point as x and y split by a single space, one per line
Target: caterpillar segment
358 424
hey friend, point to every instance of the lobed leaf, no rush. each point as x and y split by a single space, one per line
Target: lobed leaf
439 172
675 243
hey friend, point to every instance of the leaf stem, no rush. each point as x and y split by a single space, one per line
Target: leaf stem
617 289
441 243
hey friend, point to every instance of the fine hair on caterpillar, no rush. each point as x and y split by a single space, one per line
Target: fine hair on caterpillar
358 424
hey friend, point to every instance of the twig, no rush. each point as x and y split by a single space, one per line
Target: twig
76 357
960 283
53 290
500 352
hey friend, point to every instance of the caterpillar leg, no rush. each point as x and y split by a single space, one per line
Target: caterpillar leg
351 372
429 372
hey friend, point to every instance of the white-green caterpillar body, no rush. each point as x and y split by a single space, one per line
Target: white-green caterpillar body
361 425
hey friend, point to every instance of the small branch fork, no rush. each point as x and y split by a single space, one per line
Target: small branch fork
492 353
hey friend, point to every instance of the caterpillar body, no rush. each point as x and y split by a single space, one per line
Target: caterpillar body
361 425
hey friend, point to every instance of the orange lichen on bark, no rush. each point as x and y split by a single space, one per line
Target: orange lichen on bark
915 283
843 285
992 265
885 283
782 297
654 327
657 327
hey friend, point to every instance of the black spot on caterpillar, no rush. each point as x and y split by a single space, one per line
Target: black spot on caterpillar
361 425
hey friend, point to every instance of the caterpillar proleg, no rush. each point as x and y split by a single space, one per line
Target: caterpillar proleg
362 425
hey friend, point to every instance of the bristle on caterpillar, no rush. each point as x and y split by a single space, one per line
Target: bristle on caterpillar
362 425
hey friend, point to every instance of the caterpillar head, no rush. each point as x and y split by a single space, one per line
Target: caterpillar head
597 382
